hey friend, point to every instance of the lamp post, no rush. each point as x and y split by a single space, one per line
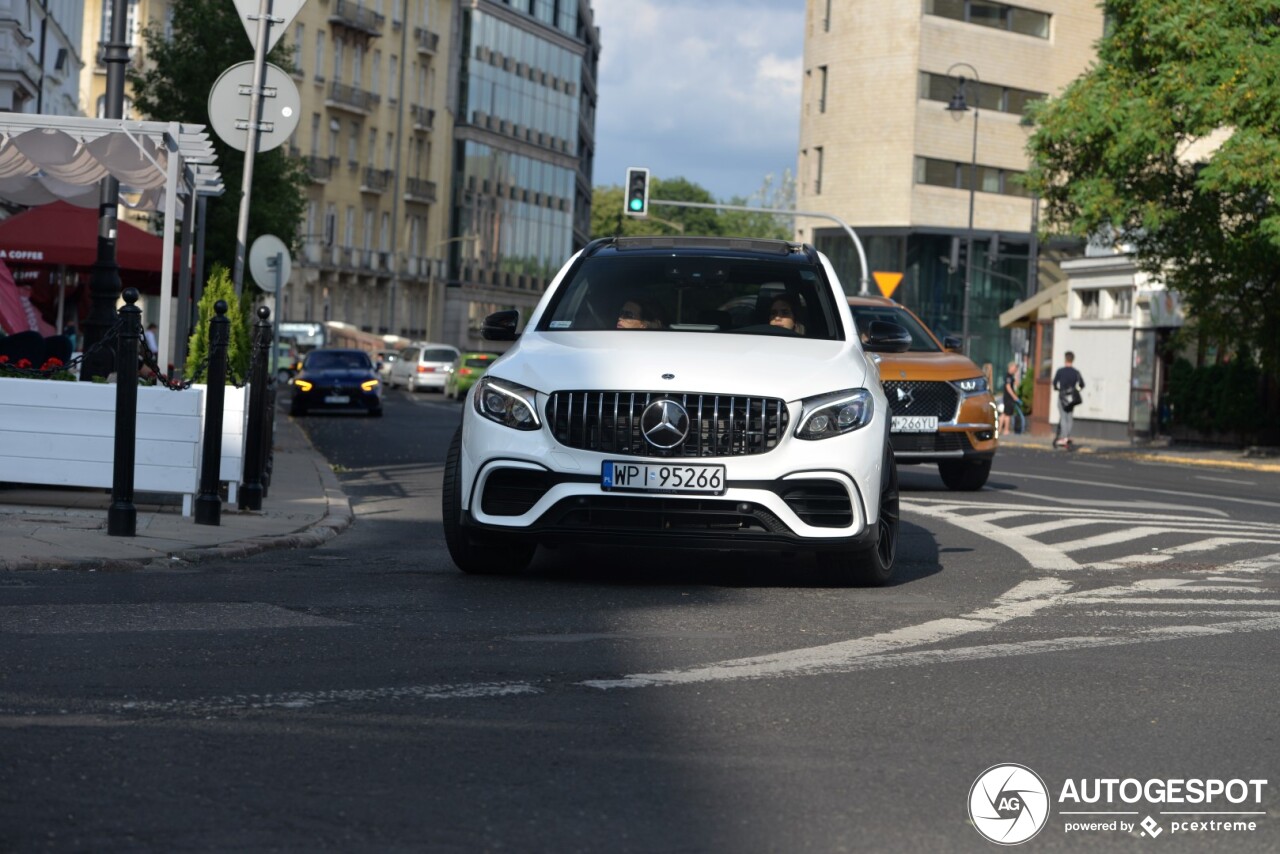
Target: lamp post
105 284
959 104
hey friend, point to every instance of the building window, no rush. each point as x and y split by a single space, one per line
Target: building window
950 173
822 88
299 33
1121 302
989 96
315 136
320 55
985 13
817 169
826 18
1088 304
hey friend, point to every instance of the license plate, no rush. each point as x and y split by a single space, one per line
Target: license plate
337 398
914 424
617 476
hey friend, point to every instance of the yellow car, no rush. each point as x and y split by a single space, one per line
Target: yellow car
942 410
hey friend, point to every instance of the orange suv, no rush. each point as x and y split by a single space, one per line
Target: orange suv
941 407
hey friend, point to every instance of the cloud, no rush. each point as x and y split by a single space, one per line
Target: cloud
707 91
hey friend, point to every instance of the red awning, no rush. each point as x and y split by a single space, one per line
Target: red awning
16 312
62 234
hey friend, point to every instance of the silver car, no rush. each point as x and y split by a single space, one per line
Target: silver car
422 366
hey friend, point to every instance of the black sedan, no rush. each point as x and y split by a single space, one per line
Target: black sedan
337 379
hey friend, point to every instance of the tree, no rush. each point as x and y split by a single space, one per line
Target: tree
220 287
1110 157
608 219
173 84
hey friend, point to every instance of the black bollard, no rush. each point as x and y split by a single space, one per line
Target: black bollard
209 502
251 488
122 516
268 439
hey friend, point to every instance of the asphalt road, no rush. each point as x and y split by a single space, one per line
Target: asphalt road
1086 619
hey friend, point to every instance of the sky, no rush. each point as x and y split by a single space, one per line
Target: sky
707 90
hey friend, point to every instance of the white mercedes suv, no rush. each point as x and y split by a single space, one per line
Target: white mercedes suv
681 392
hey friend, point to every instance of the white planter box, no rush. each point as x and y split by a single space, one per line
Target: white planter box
63 434
235 420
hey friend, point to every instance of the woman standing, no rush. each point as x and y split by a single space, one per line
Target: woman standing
1011 399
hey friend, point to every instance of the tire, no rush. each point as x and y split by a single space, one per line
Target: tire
965 475
297 411
873 566
474 553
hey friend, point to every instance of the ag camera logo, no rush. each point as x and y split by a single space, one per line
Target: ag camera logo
1008 804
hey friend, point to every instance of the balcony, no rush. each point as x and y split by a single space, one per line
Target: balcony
319 168
357 18
375 180
426 40
419 190
353 100
423 118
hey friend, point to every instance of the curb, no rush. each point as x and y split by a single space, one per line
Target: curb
1147 457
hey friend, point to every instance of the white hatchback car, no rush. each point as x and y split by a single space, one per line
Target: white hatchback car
422 366
680 392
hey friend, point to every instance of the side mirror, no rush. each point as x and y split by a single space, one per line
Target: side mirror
885 337
501 326
953 343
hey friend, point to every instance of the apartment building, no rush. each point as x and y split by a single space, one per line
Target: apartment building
40 56
883 147
449 145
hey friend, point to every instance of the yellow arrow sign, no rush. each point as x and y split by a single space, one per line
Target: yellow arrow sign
888 282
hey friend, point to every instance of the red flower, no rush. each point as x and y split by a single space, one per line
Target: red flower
24 363
4 360
51 363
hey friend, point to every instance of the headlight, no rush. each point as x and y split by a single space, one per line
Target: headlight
971 387
369 385
835 414
302 385
507 403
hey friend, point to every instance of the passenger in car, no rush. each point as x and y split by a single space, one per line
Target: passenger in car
640 314
784 312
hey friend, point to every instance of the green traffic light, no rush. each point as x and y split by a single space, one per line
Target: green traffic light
637 204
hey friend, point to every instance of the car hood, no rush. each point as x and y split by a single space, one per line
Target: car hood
772 366
926 366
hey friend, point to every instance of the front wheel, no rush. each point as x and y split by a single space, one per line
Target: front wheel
965 475
873 566
472 552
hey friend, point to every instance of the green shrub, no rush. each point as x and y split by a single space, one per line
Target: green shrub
219 287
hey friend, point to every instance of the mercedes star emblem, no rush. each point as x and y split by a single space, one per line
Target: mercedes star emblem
664 423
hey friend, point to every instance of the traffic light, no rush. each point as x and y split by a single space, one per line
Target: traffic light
636 201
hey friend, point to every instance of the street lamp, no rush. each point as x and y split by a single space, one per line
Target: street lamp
958 104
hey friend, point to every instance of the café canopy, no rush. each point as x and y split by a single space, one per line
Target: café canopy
161 166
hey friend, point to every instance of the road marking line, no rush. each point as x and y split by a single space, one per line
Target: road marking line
1178 493
1040 555
1226 480
1109 539
308 699
879 660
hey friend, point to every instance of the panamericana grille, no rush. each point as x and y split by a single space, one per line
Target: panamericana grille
931 442
720 425
923 398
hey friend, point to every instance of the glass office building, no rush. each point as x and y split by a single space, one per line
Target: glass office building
523 144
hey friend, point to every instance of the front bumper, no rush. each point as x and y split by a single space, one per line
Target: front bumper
527 484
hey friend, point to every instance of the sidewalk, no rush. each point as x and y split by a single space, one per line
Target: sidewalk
1261 460
66 527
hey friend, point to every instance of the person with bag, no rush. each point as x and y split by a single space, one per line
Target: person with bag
1067 382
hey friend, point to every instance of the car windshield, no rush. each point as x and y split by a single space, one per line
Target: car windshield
921 340
695 294
478 362
328 360
438 355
